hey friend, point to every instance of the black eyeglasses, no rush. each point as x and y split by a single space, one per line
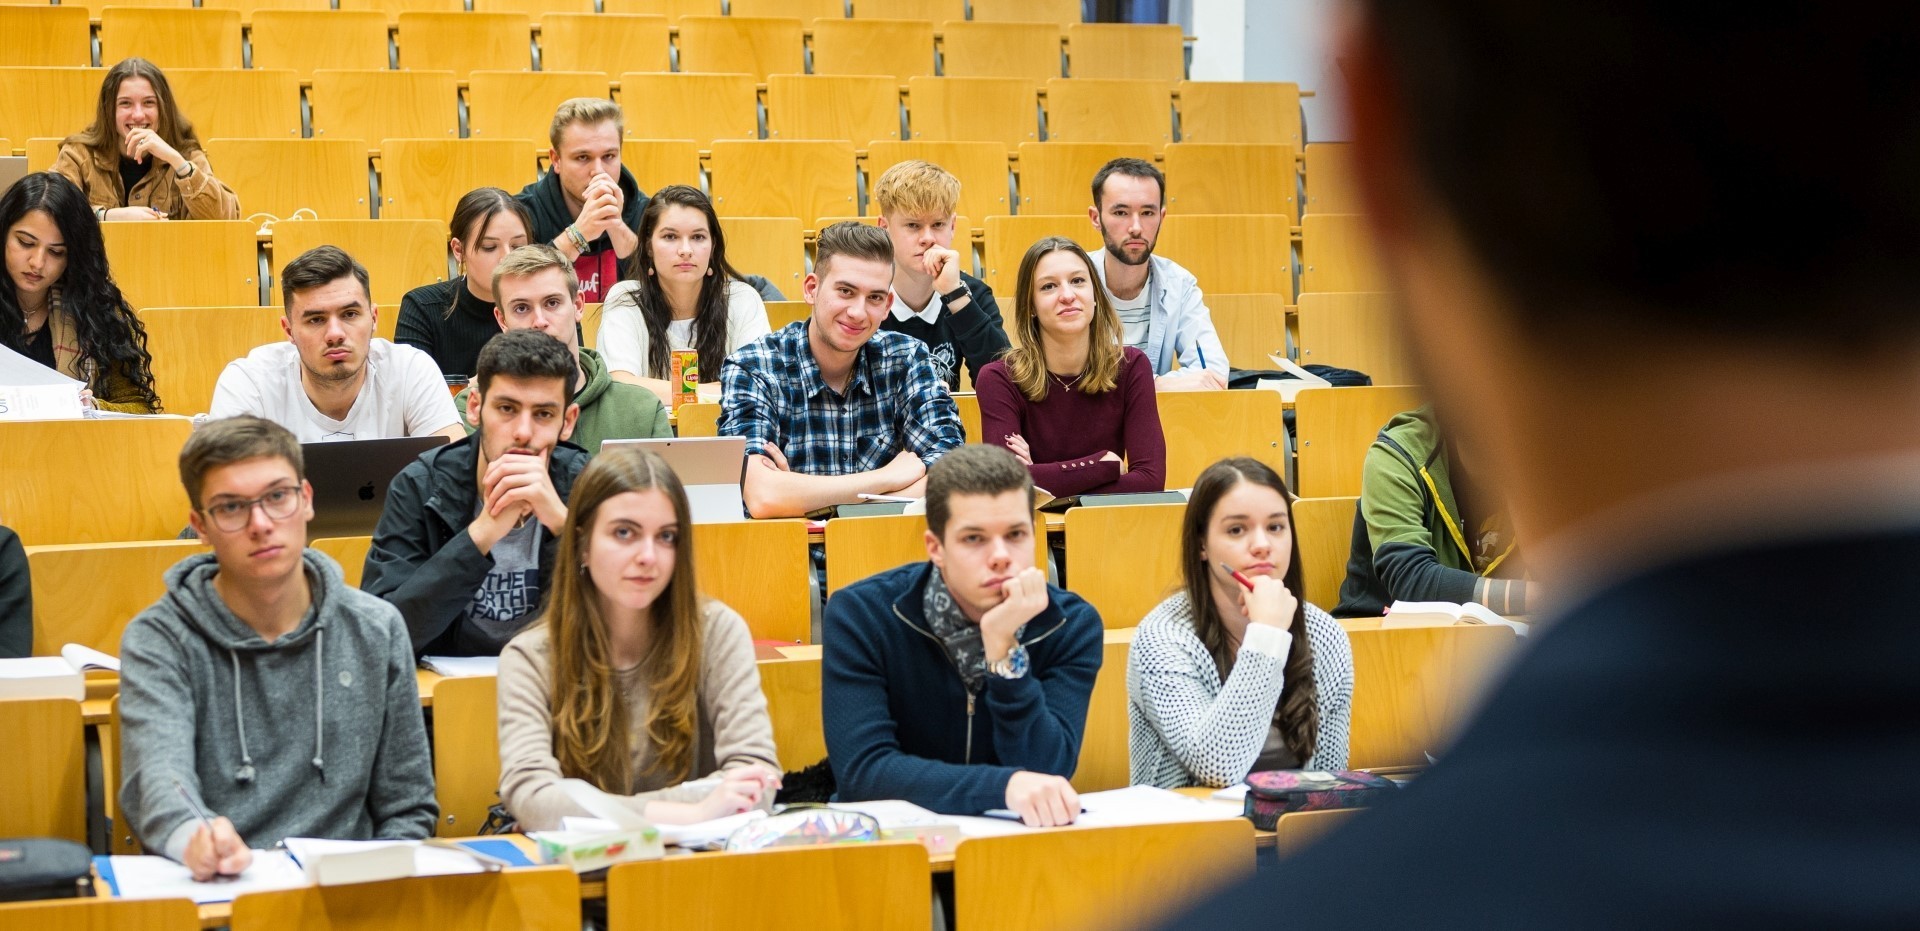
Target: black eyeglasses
234 514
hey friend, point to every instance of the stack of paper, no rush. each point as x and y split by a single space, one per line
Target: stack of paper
160 878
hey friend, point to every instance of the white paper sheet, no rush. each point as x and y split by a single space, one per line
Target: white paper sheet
456 666
152 877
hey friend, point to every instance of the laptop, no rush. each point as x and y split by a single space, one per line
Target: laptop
350 479
12 169
709 467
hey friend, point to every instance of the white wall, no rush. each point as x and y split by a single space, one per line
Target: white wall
1270 40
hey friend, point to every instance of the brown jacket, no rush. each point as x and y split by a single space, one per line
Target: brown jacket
199 196
112 389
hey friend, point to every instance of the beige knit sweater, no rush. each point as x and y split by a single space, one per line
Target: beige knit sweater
734 729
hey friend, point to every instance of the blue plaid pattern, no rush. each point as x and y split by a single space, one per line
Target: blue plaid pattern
772 393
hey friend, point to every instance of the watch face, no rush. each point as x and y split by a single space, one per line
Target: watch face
1016 662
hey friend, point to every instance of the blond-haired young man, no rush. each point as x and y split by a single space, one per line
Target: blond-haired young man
587 205
935 302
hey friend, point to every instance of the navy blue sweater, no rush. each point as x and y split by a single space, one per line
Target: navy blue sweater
900 723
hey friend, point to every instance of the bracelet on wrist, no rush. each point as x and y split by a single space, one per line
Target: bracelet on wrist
956 295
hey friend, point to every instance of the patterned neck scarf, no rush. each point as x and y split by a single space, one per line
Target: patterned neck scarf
960 636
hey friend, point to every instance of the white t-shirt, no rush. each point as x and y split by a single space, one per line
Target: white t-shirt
404 395
623 340
1136 317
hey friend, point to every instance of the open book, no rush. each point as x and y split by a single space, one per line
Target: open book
62 676
1445 614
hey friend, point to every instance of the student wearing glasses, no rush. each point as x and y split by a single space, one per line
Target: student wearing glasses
261 687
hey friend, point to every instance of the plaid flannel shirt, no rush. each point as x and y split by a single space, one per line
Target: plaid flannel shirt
772 393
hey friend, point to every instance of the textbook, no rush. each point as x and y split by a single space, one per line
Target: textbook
327 862
1444 614
62 676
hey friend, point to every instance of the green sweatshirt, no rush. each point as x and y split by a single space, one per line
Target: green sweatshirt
609 410
1403 546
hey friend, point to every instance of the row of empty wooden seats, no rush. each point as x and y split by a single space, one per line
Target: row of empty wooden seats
187 37
1062 14
372 104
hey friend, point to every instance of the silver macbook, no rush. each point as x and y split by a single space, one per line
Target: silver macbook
12 169
350 479
709 467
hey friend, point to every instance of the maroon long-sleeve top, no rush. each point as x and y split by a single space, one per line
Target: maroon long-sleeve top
1071 430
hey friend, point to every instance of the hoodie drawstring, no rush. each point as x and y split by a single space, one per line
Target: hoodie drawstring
319 694
245 773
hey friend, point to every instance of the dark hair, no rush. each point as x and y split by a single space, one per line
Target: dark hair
104 139
710 315
112 340
476 209
1617 169
319 266
525 353
1298 711
235 439
1132 168
854 239
973 469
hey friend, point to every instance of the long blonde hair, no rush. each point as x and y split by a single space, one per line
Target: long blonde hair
1027 361
590 719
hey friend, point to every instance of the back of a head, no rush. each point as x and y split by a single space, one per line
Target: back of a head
1630 167
973 469
523 354
318 266
852 239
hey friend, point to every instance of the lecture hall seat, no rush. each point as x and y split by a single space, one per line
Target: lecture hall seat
1333 185
465 42
1096 877
102 913
1104 763
1057 177
873 887
536 10
1126 50
773 247
656 163
609 43
1335 427
399 255
1204 427
191 346
259 103
171 38
423 179
703 107
1007 241
804 10
43 103
1061 13
1259 112
376 104
44 770
1251 327
980 49
933 11
899 48
757 46
1356 330
391 9
278 177
1136 112
519 105
1324 529
783 178
1123 590
145 259
862 108
955 109
1338 253
306 40
51 36
527 899
1205 177
1231 253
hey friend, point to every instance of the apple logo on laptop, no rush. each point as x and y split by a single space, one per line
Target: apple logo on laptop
366 492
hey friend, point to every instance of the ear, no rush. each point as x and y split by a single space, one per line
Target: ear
809 286
499 317
935 552
373 315
573 417
881 221
1093 216
286 326
459 251
473 403
306 500
198 523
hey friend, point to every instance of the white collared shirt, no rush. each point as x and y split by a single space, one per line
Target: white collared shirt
928 315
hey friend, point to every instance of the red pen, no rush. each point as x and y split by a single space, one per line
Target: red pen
1237 577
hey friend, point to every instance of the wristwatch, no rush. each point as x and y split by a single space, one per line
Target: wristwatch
955 295
1014 666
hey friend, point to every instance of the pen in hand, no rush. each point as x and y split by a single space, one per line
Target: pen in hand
206 822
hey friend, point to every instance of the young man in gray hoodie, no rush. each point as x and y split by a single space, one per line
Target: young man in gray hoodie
260 687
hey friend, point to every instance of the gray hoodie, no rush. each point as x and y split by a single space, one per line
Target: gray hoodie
317 734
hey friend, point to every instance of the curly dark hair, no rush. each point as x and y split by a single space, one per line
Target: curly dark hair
110 335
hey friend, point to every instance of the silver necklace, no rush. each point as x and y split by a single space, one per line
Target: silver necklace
1064 383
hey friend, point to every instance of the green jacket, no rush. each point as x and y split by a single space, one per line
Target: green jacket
609 410
1406 535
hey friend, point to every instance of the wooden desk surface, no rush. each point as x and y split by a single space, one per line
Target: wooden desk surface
218 914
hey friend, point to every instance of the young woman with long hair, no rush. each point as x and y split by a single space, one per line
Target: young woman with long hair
1068 400
451 320
1223 680
140 160
58 303
631 681
688 296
